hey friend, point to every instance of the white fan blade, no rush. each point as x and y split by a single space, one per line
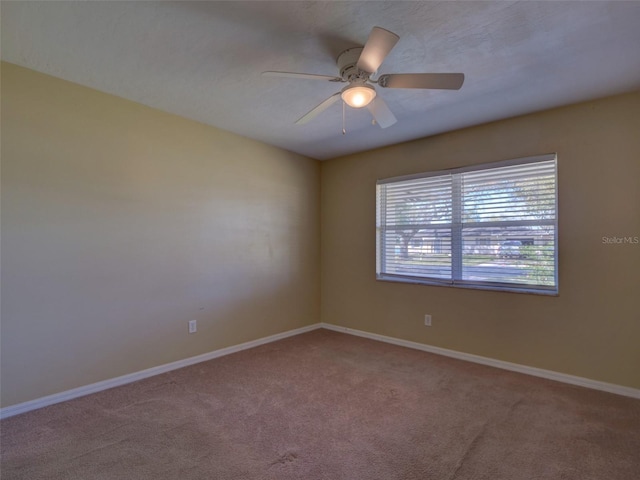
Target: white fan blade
378 46
381 113
444 81
307 76
319 109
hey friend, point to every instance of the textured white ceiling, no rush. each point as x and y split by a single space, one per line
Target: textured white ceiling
202 60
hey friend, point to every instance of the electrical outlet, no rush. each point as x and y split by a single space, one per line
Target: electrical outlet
427 320
193 326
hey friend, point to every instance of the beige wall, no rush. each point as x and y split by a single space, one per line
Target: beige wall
120 223
592 329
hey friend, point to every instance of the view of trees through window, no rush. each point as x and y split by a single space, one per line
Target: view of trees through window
487 226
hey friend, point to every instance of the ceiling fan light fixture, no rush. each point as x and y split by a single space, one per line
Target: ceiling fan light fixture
358 96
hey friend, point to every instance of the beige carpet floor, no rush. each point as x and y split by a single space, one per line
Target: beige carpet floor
325 405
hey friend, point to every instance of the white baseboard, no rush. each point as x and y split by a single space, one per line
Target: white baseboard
133 377
515 367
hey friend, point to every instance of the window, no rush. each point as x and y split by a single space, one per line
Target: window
491 226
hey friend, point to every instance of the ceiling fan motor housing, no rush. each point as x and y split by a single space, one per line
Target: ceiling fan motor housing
347 62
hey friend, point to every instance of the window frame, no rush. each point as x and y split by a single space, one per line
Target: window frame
456 227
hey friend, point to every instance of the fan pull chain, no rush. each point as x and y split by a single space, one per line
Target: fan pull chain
344 129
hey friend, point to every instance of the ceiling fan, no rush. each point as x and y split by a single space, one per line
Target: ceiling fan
357 65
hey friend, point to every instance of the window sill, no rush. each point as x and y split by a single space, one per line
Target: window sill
471 286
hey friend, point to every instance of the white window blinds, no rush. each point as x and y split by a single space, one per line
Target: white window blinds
493 226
